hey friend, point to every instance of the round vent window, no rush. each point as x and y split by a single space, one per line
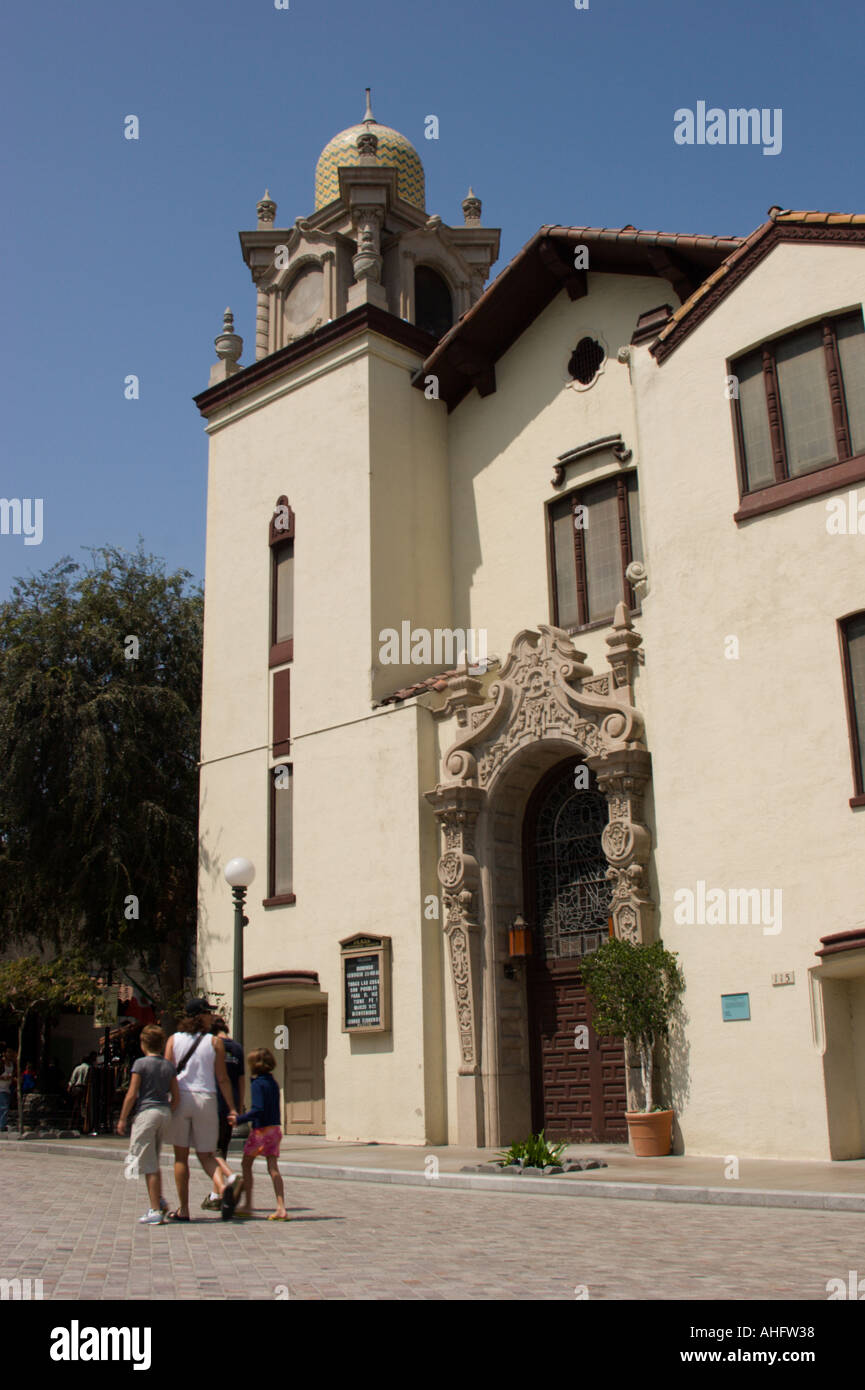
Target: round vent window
585 360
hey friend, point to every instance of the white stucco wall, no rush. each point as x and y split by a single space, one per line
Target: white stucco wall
751 762
345 438
404 511
504 447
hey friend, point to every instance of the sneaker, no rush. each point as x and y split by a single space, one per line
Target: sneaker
153 1218
211 1202
230 1194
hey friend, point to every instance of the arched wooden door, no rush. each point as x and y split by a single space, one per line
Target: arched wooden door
577 1078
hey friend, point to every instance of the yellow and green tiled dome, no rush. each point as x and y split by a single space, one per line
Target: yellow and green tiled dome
394 151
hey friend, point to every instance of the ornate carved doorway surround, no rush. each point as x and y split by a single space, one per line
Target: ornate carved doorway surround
545 705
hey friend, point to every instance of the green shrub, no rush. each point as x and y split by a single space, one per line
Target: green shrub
534 1152
634 992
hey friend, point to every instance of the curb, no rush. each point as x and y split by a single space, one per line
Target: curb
576 1186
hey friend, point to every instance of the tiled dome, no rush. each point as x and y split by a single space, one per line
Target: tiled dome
393 150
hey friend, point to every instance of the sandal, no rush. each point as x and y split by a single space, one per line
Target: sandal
275 1216
175 1216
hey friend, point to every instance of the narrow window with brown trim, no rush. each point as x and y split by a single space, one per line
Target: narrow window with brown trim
281 713
281 539
281 779
799 414
594 534
852 634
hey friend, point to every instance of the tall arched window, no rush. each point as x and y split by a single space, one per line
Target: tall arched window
281 538
433 308
852 633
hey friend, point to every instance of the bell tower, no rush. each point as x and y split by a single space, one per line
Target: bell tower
329 525
369 240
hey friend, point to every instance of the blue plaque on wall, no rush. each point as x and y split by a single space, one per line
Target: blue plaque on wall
735 1006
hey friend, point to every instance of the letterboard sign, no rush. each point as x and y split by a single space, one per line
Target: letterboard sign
365 984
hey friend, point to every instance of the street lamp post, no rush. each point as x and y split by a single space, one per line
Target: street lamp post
239 874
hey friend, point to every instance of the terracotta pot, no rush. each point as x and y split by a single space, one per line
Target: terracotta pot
651 1134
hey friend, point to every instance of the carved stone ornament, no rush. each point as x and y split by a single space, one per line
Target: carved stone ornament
266 210
544 691
457 809
367 262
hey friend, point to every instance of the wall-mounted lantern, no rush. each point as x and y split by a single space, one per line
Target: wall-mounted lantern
519 938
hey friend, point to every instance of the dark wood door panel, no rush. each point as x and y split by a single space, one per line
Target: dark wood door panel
577 1094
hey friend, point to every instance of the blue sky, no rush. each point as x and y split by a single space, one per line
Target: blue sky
120 256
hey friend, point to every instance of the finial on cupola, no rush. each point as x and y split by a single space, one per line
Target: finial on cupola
472 209
367 115
266 209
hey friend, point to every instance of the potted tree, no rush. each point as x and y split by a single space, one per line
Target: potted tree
634 992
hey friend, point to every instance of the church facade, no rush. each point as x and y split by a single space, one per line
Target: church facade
533 613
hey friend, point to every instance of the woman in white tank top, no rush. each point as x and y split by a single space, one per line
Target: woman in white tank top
199 1058
199 1074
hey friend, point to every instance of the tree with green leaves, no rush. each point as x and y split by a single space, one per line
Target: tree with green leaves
100 703
30 987
634 992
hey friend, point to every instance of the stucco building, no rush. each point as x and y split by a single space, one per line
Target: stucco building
627 470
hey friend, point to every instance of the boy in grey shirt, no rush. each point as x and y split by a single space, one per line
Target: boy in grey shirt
153 1085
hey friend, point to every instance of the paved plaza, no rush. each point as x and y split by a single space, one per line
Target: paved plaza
71 1221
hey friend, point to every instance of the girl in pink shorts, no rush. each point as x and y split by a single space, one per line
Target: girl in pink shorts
264 1137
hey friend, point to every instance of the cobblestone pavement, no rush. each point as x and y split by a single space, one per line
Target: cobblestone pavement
72 1222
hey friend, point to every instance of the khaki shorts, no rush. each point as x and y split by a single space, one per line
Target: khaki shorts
195 1124
149 1132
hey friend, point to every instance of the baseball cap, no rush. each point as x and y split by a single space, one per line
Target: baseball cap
199 1006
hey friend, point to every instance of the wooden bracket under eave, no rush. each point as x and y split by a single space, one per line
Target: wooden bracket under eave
573 280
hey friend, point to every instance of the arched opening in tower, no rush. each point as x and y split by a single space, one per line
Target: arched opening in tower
433 309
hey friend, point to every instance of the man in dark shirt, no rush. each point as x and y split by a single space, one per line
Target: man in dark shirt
234 1065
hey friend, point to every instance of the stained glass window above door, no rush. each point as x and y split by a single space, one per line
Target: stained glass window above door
572 895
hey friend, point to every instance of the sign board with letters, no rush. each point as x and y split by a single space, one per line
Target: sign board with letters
365 984
735 1007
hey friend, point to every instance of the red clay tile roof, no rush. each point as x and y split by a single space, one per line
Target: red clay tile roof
747 254
438 682
466 355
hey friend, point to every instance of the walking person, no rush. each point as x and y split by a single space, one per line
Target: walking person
234 1066
77 1089
199 1060
153 1094
265 1135
7 1080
